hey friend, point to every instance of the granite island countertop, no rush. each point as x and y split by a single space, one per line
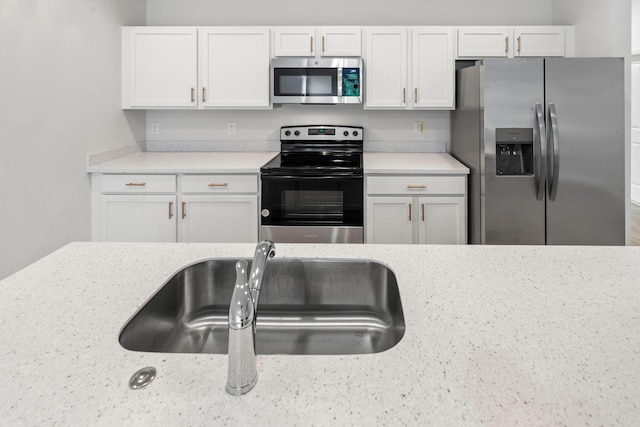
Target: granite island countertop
512 335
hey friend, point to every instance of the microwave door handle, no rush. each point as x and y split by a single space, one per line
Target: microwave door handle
554 154
303 89
540 153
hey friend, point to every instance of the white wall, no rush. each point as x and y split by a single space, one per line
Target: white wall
60 100
379 125
355 12
635 102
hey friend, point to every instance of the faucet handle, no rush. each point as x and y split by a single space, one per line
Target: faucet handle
241 309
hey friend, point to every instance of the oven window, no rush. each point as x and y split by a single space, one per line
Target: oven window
300 204
312 201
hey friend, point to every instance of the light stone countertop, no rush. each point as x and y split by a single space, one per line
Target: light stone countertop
250 162
413 163
186 162
512 335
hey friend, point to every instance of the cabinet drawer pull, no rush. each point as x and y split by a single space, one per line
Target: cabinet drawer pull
409 212
519 44
184 209
415 95
414 187
136 184
213 184
506 44
193 95
204 95
404 95
311 44
170 210
322 44
422 206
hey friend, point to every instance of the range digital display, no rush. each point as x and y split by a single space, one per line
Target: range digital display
322 131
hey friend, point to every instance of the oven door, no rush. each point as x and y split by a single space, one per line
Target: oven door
312 200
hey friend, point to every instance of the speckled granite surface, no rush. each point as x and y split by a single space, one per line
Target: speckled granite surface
495 336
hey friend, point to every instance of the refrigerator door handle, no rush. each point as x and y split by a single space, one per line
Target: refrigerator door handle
554 153
540 154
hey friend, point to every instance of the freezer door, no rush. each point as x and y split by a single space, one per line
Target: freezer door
586 168
513 206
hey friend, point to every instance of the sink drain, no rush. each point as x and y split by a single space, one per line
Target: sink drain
142 378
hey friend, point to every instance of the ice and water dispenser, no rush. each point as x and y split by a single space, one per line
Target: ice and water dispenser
514 151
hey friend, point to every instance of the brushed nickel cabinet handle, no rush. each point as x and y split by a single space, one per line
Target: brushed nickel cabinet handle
519 44
415 95
322 44
422 212
204 94
193 95
506 44
416 187
213 184
404 95
311 44
184 210
409 212
135 184
170 210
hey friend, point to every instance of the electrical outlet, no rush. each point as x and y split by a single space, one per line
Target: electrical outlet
417 127
231 128
155 128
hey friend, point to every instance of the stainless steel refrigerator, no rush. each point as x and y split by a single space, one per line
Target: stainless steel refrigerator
544 140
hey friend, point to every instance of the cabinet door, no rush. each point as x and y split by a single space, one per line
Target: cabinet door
294 41
433 71
138 218
442 220
234 67
385 63
539 41
340 41
480 42
390 220
159 67
219 219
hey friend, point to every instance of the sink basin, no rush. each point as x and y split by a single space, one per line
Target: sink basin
307 306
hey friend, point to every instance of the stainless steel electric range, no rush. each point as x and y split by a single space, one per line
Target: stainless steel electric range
312 192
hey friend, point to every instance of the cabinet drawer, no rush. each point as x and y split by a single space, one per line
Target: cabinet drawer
138 184
220 184
416 184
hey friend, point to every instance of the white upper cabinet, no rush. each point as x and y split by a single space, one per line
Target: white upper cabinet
385 62
409 68
234 67
480 42
539 41
317 42
159 67
509 42
189 67
433 70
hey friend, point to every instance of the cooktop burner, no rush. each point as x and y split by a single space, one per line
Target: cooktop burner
318 150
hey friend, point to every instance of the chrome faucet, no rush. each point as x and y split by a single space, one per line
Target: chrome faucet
243 375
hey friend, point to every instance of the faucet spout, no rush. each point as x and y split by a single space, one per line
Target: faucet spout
242 374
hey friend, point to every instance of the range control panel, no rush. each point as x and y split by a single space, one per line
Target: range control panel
321 133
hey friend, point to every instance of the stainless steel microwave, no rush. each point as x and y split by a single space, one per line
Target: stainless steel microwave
316 80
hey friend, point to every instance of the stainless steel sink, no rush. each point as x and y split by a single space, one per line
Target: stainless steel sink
307 306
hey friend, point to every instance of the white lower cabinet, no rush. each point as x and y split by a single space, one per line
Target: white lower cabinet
170 208
230 219
416 209
138 218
